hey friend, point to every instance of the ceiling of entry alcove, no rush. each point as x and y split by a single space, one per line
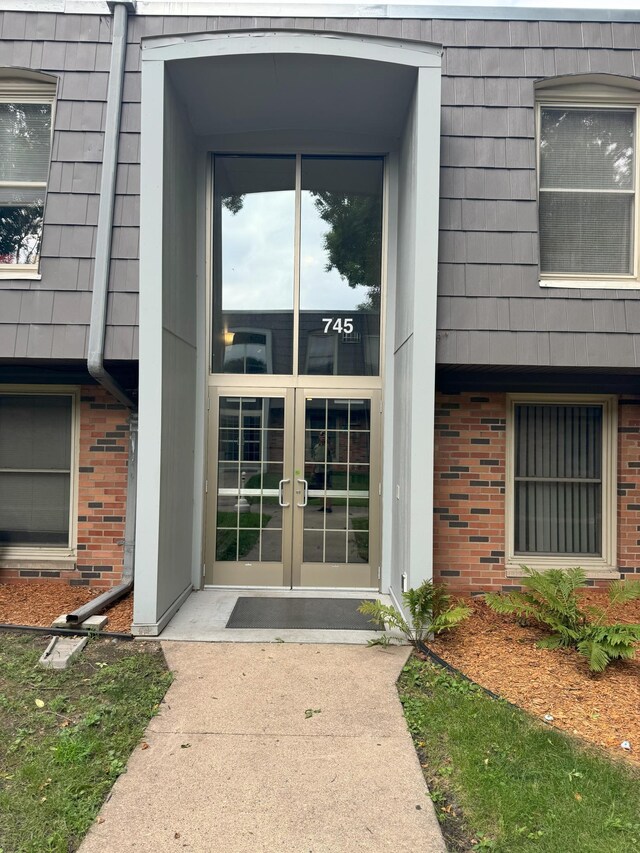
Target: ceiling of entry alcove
282 92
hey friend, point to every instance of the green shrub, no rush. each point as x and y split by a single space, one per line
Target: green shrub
431 608
551 599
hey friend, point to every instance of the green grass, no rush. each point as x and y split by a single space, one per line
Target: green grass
362 539
58 761
519 785
247 535
359 482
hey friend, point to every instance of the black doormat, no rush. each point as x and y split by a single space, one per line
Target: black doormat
329 614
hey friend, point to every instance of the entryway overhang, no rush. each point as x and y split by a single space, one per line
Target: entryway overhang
273 91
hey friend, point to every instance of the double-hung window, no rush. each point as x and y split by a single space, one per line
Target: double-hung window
561 496
37 471
26 109
588 186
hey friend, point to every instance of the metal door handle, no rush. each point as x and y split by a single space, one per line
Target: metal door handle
281 494
305 487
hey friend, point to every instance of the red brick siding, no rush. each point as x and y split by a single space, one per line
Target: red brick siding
469 491
629 486
102 489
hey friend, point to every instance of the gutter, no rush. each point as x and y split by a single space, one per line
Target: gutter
64 632
97 325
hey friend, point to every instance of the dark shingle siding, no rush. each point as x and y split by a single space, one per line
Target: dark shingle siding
492 309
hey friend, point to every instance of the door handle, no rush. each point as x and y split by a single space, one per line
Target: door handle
281 493
305 487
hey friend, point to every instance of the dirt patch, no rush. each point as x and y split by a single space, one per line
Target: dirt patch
40 602
501 655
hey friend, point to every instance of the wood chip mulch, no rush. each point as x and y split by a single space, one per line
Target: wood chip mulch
498 653
492 650
40 602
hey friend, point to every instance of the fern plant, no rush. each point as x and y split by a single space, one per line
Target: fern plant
431 611
551 599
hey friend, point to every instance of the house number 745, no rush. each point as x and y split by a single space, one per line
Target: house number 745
339 325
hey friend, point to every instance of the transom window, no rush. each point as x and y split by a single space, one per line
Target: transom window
562 464
297 265
588 184
25 149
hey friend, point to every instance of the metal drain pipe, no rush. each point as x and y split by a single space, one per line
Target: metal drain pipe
97 326
104 232
112 595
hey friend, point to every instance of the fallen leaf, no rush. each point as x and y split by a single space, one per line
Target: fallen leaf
144 745
39 703
578 797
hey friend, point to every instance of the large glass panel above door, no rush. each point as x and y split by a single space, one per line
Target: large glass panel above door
253 264
297 252
340 266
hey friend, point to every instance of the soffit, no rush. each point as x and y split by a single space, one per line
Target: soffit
282 92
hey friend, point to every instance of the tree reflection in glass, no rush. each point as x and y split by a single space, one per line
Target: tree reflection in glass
339 268
340 265
253 264
25 142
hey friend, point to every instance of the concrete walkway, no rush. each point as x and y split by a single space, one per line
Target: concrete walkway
273 747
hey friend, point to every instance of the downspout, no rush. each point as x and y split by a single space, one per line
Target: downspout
112 595
97 326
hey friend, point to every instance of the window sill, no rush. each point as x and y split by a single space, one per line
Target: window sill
17 558
592 571
591 283
28 275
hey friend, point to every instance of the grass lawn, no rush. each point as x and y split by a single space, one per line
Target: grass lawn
244 538
502 781
66 736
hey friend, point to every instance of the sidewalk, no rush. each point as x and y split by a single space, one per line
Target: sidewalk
273 747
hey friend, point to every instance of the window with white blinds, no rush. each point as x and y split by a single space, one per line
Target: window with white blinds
36 453
587 191
561 487
25 151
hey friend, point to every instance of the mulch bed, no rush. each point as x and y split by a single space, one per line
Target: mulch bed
492 650
499 654
40 602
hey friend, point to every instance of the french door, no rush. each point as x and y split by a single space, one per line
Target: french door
293 488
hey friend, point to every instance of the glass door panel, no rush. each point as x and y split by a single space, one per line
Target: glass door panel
253 281
333 541
248 506
293 497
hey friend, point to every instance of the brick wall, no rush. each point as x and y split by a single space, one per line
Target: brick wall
629 486
469 491
469 487
102 489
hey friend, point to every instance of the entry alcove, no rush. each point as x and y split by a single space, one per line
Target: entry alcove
277 92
